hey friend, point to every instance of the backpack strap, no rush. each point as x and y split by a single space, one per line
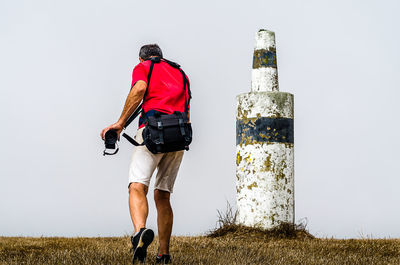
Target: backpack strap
173 64
186 83
153 60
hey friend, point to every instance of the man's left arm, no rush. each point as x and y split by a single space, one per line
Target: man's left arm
131 103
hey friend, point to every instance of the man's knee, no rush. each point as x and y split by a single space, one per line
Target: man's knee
138 188
161 196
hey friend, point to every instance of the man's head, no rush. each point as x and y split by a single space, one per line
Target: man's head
148 51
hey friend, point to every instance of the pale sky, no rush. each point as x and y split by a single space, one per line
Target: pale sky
66 70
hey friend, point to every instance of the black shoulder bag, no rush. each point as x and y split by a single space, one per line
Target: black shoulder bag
164 132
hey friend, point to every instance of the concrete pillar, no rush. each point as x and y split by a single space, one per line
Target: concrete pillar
264 143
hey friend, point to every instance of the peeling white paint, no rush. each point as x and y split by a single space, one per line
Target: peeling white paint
265 104
265 184
264 79
265 39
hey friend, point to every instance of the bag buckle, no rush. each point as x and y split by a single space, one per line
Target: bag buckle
182 127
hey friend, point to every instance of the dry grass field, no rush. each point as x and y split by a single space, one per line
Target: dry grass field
229 244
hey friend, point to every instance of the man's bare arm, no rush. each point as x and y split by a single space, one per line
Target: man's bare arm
132 101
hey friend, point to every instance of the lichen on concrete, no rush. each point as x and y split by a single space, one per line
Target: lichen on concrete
251 186
264 58
271 170
265 104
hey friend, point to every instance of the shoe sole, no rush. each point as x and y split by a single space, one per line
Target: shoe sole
162 261
145 240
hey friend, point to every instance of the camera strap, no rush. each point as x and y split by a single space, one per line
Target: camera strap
106 153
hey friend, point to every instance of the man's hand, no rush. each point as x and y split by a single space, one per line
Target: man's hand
116 126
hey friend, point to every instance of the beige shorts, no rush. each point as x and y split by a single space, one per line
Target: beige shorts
144 162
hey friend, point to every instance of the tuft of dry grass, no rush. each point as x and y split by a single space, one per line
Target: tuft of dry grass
282 231
227 225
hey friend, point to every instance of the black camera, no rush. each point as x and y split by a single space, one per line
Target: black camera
110 140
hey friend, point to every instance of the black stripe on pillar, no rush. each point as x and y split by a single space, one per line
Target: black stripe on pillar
264 129
264 58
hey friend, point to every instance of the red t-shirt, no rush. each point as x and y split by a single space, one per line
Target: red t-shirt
165 93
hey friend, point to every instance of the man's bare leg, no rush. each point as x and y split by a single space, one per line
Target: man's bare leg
138 206
164 219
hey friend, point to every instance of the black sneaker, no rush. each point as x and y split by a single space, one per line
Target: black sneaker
163 259
140 242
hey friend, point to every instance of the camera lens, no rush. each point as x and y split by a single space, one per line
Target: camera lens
110 139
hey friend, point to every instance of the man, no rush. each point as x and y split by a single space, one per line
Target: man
165 94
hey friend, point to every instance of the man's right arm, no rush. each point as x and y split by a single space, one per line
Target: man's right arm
132 101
